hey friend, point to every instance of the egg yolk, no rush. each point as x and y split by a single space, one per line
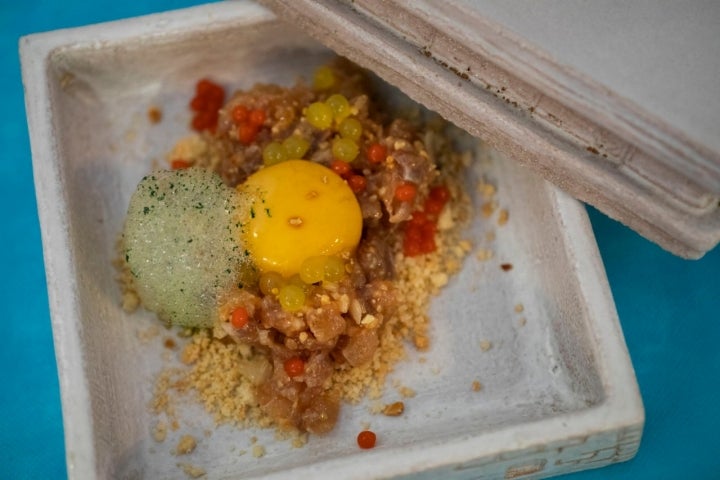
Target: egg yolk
298 209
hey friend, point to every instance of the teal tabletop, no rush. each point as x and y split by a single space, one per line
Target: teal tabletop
669 308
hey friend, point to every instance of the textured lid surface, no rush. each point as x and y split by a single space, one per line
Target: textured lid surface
616 102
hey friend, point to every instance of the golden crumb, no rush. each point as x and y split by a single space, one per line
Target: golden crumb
148 334
484 254
476 386
485 345
407 392
299 440
487 190
191 470
186 445
159 432
503 217
487 209
258 451
465 246
439 279
519 308
422 342
130 301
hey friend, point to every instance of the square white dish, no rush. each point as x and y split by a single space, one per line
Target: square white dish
559 393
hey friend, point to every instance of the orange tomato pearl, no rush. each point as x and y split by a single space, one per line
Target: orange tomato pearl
247 133
377 153
366 439
405 192
357 183
179 164
239 318
341 168
207 101
440 194
239 113
257 117
294 366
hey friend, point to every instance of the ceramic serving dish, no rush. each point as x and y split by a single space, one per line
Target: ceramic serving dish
558 389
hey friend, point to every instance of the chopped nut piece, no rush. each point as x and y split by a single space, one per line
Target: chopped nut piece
369 321
519 308
476 386
160 432
394 409
485 345
154 115
191 470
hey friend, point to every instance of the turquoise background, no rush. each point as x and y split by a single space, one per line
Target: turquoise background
668 307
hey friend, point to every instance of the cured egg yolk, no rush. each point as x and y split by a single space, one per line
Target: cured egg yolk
299 209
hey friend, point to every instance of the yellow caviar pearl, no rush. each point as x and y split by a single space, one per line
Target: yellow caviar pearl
299 209
323 78
291 297
350 128
319 115
295 146
334 269
312 269
345 149
339 105
270 283
274 153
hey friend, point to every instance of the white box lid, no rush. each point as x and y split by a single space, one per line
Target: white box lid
616 102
